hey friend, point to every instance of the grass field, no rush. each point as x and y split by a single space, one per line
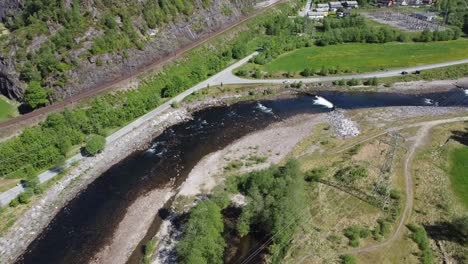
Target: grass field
7 110
459 174
367 57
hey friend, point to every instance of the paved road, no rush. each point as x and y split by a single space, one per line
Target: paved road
7 196
229 78
224 77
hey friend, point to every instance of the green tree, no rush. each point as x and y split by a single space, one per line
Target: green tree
95 144
203 240
35 96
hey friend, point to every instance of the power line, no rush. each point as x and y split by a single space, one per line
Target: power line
258 250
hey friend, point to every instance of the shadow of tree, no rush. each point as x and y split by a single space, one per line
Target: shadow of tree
460 136
457 231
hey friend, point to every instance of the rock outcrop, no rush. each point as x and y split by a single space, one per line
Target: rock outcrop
91 72
9 7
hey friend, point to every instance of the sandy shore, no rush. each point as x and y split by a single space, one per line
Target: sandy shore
133 227
273 143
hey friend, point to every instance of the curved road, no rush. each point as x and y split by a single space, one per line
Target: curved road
224 77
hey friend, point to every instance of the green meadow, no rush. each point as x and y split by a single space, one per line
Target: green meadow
459 174
366 57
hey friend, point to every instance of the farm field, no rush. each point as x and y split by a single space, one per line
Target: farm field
366 57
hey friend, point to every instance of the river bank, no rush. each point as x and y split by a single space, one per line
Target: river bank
36 219
282 134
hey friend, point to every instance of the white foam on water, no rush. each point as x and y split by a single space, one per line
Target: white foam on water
319 100
428 101
465 91
264 108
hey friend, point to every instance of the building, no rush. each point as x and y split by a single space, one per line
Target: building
333 6
425 16
414 2
316 15
428 2
351 4
322 7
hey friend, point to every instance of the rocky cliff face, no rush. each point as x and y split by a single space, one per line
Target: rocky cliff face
91 71
165 41
9 7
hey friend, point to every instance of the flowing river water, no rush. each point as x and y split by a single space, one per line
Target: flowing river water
88 221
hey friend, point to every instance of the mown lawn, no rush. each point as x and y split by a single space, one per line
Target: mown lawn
459 173
368 57
7 110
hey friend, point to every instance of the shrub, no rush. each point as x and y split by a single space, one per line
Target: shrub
95 144
419 236
354 233
348 259
175 104
14 202
353 82
395 194
351 173
24 197
314 174
307 72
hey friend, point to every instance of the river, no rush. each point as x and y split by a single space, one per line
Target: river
88 221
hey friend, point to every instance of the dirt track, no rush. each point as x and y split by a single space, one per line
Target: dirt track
419 140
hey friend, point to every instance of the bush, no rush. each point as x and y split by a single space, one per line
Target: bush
175 104
24 197
314 174
395 194
351 173
95 144
348 259
354 233
307 72
419 236
14 202
353 82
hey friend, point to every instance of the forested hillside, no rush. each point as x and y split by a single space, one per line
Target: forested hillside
54 49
